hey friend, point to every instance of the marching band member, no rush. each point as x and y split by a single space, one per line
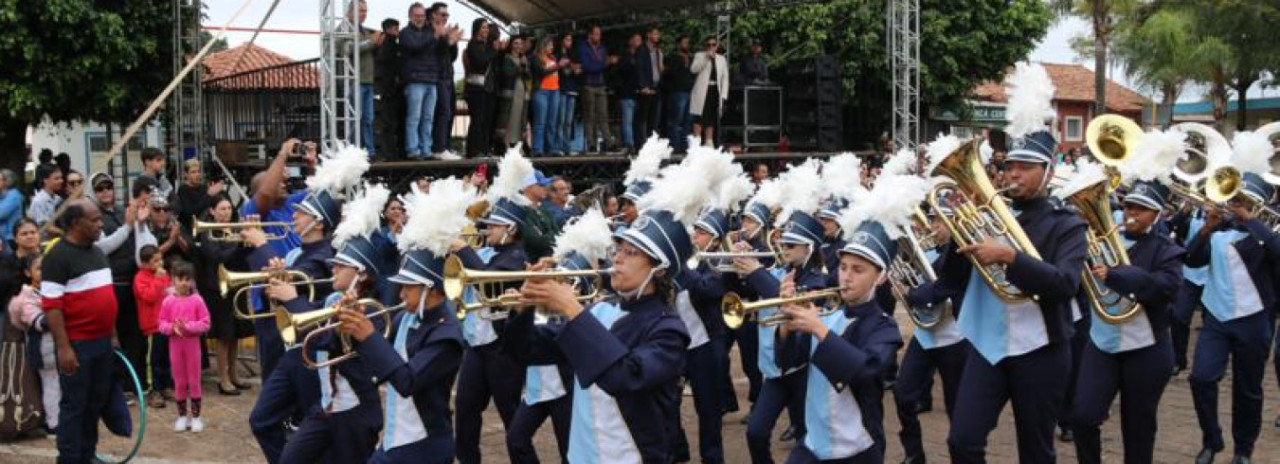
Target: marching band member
488 371
940 347
1133 358
421 360
701 290
1239 251
626 355
583 244
290 388
753 229
343 426
1022 352
842 175
782 359
852 347
639 179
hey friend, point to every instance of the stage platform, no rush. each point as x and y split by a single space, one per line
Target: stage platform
584 170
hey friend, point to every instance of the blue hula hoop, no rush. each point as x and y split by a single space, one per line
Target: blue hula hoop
142 412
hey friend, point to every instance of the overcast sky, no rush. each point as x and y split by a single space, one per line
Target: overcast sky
305 14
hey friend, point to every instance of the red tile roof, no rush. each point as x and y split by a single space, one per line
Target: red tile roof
284 72
1074 82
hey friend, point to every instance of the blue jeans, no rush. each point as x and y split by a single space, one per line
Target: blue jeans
543 109
366 118
628 119
678 119
420 108
564 122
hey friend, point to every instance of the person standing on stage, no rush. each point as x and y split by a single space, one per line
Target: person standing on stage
388 106
1030 370
509 73
1239 251
678 83
545 69
649 78
595 58
710 90
477 57
1133 358
446 94
570 86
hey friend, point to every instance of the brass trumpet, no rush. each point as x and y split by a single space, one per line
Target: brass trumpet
242 282
322 320
229 232
735 311
488 286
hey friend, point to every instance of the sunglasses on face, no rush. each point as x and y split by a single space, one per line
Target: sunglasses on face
75 183
160 209
103 187
790 245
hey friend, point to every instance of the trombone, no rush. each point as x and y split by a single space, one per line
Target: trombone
486 287
322 320
735 311
229 232
242 282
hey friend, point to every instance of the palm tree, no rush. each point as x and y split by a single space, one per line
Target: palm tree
1102 15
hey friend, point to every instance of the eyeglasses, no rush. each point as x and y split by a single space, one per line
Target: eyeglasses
103 187
160 208
630 252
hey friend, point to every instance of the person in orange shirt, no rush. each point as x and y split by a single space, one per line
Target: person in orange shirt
546 93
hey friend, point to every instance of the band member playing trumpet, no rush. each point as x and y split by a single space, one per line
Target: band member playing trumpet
421 360
343 425
583 244
851 349
755 216
1239 251
1022 345
782 359
487 370
291 390
1133 358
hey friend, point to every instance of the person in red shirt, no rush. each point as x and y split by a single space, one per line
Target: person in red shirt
150 286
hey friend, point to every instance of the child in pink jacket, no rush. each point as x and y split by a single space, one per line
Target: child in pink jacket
25 313
183 318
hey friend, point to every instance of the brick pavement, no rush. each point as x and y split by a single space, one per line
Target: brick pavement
228 440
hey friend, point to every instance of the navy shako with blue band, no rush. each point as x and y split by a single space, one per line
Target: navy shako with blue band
1134 358
323 206
637 190
1239 288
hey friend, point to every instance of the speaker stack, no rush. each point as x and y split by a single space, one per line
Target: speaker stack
814 118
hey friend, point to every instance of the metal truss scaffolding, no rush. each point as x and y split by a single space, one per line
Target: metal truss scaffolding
904 54
339 74
187 130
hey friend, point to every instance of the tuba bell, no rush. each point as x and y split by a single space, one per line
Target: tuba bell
1204 178
1105 248
979 213
910 269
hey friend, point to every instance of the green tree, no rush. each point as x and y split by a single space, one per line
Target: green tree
1103 17
1247 29
1163 51
78 60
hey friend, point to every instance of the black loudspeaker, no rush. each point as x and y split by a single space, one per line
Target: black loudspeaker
814 118
764 106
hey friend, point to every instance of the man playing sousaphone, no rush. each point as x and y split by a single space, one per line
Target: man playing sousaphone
1022 352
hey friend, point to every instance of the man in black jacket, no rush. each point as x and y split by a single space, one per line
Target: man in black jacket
421 45
389 111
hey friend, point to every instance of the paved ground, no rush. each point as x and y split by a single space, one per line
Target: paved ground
227 438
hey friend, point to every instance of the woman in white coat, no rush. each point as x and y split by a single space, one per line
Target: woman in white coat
710 90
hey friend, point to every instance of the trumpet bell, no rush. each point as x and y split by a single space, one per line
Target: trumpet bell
290 324
1111 138
735 311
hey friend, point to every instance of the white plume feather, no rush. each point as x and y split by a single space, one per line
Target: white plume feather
732 192
896 198
436 218
685 189
339 170
944 145
1154 157
1030 93
513 169
1251 152
362 215
769 194
589 235
842 177
801 190
905 161
649 160
1086 174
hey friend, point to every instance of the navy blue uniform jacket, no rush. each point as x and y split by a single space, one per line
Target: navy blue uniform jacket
857 360
1152 277
1260 252
1053 280
313 261
706 290
637 361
